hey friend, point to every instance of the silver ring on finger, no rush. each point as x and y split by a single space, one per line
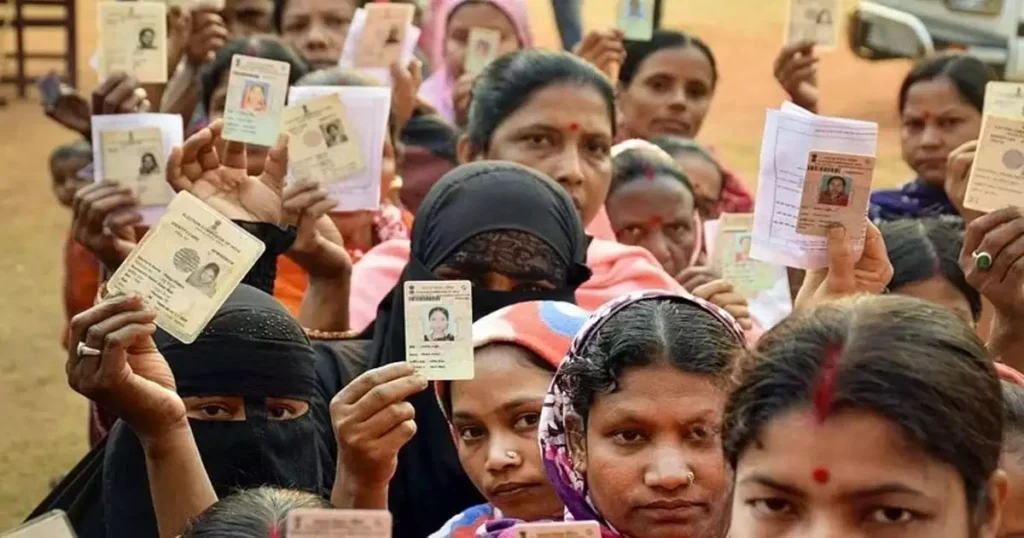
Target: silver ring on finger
83 351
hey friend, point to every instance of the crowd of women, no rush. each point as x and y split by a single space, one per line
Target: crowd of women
618 378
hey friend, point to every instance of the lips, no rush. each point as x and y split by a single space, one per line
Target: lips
513 489
674 510
670 126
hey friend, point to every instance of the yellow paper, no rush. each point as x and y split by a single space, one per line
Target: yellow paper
380 44
836 190
135 158
732 255
1004 99
997 176
482 47
321 146
331 523
813 20
439 328
566 529
133 39
187 265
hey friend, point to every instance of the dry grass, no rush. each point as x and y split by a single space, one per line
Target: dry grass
44 422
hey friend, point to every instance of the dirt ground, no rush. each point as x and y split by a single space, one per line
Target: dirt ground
44 422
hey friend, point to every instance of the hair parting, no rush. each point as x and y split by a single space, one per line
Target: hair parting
825 388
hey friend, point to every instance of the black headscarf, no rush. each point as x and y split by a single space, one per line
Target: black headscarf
480 217
251 348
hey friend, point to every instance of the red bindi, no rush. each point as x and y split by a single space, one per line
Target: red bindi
574 127
821 475
656 221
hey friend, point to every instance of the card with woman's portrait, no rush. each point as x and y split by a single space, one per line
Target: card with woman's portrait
135 158
187 265
813 20
133 39
439 328
383 36
481 48
334 523
319 145
636 19
836 190
257 88
732 255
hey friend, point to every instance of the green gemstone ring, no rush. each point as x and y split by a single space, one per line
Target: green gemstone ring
982 260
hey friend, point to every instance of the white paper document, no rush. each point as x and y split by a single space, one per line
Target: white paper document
367 109
170 128
791 135
355 33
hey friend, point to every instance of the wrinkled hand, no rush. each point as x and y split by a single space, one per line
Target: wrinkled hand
958 172
104 216
406 89
120 93
1001 235
130 378
605 50
224 182
372 422
319 247
695 276
462 95
846 275
723 294
207 35
796 69
72 111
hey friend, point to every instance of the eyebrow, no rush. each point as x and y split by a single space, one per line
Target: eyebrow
764 480
887 488
507 406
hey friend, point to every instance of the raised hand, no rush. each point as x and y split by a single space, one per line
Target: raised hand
121 369
695 276
723 294
993 260
462 96
407 81
958 171
372 422
104 218
207 35
216 172
319 247
845 274
120 93
796 69
605 50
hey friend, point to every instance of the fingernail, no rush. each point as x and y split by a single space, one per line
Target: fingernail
420 380
836 231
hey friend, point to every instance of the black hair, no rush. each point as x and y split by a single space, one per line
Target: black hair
920 249
833 178
638 51
78 148
968 74
251 513
914 363
508 82
261 46
679 147
1013 417
644 163
445 396
440 309
211 265
644 333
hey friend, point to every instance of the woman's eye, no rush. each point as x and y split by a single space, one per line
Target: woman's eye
538 140
599 149
772 506
658 84
215 411
631 233
281 412
528 421
891 515
913 125
701 433
628 437
471 433
697 91
949 123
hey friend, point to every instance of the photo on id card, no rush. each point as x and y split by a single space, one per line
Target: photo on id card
636 19
187 265
135 159
439 328
482 47
257 89
334 523
813 20
321 146
1004 99
133 39
997 175
383 36
566 529
732 255
836 191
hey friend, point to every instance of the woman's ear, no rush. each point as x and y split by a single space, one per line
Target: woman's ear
576 437
465 151
991 513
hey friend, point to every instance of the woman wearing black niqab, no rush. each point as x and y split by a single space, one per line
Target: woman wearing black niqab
516 236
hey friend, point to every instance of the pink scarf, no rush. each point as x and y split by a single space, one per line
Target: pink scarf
437 89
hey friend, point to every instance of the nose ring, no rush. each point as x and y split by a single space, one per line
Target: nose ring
690 478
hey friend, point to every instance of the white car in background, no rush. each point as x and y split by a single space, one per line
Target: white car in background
992 30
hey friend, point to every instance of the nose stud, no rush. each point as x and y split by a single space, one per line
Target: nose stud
690 478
